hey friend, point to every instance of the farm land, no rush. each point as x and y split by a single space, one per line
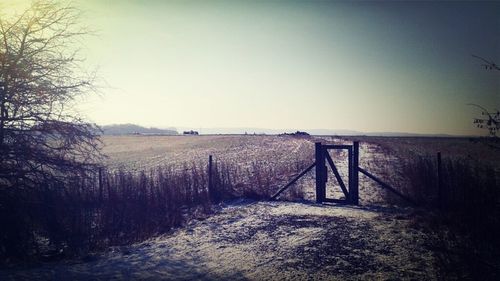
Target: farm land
145 152
383 156
383 238
136 153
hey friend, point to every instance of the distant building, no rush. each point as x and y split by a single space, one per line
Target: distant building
191 132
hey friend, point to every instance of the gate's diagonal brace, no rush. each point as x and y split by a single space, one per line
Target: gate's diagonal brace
386 186
293 181
337 175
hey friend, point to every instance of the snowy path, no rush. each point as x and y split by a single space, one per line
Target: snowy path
266 241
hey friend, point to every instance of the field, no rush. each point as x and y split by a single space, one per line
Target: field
145 152
252 157
241 239
136 153
384 157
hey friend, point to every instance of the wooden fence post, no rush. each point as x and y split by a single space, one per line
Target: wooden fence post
320 173
209 175
440 181
99 180
354 190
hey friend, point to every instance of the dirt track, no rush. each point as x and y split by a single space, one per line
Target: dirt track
266 241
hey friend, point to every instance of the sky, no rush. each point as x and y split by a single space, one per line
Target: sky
364 66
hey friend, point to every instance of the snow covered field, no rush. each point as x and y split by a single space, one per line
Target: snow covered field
144 152
266 241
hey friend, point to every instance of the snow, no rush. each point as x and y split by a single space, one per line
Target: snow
265 241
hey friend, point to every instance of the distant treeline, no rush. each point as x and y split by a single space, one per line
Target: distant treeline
297 133
131 129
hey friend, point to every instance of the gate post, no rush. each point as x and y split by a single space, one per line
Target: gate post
320 173
354 191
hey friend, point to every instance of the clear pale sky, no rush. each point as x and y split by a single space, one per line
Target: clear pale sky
366 66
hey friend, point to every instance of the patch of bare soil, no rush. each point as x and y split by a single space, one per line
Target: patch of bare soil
266 241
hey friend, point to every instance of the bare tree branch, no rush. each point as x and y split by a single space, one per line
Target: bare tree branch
488 64
40 74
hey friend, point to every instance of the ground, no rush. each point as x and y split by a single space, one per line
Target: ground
266 241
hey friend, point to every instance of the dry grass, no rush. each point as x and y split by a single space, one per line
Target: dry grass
82 215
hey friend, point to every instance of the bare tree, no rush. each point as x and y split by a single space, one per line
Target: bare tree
41 137
488 120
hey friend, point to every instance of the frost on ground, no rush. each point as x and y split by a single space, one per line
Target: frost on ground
135 153
266 241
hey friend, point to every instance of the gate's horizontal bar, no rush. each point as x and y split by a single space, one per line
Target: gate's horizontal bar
338 201
337 146
293 181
